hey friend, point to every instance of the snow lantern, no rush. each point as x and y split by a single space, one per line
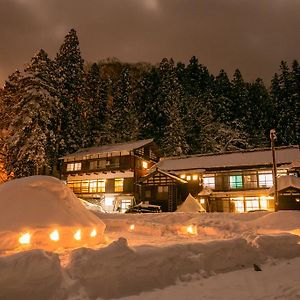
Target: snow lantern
42 212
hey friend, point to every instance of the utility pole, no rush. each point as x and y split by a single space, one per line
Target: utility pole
273 137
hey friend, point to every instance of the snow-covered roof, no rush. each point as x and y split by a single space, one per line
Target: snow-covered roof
128 146
255 157
284 182
144 178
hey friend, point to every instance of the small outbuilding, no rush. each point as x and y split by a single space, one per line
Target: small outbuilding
288 188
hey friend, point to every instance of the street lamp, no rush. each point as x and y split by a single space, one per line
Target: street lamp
273 137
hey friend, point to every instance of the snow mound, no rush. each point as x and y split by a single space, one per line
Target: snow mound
30 275
190 205
38 205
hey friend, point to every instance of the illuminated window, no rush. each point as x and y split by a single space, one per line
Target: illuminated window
144 165
93 186
236 181
119 185
162 189
250 181
188 178
73 167
238 204
195 177
209 182
182 176
263 203
76 187
85 186
101 186
265 180
252 203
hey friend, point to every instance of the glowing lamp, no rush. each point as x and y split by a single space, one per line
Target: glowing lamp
77 235
25 239
93 233
131 227
191 229
54 235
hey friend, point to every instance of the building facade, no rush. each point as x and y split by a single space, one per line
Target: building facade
108 175
233 181
119 175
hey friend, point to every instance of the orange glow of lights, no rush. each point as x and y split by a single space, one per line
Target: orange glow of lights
54 235
93 233
131 227
191 229
77 235
25 239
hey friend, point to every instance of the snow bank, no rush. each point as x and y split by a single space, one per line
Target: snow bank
33 275
40 204
118 270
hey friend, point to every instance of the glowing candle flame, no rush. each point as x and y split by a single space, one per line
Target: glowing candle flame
131 227
54 235
93 233
77 235
191 229
25 239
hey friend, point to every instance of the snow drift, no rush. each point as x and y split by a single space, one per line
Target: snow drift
38 206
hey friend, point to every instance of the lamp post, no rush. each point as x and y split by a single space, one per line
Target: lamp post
273 137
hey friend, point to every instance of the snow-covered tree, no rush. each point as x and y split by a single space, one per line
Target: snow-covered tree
69 70
122 122
170 95
31 142
95 108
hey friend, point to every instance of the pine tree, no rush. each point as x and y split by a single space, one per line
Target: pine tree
69 70
222 99
122 123
95 97
31 142
170 95
285 96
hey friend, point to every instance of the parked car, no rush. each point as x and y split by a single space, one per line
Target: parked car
144 208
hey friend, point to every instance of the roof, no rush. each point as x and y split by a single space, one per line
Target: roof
144 178
284 182
255 157
128 146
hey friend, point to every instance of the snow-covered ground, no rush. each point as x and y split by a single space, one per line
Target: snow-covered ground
181 255
167 256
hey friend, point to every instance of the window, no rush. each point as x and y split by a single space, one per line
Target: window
93 186
144 165
148 194
73 167
182 176
265 180
236 181
115 162
119 185
188 178
250 181
238 204
97 164
209 182
101 186
195 177
252 203
162 189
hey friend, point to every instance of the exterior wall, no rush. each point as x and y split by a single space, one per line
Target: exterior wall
109 178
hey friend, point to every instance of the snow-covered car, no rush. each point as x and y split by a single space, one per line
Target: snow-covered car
144 208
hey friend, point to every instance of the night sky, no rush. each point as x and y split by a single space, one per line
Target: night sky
252 35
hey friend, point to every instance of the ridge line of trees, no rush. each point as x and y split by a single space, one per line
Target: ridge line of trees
56 106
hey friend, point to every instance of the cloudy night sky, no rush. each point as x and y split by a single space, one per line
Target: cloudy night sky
252 35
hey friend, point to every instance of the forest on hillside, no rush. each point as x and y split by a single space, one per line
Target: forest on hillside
56 106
